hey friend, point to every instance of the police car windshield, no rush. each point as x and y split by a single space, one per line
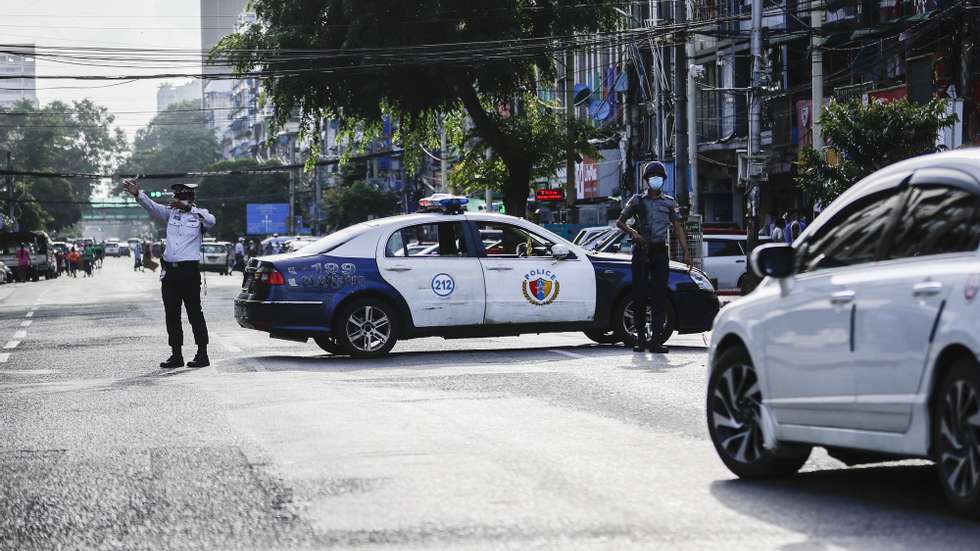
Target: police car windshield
334 240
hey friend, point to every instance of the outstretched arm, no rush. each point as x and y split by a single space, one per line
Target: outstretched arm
156 210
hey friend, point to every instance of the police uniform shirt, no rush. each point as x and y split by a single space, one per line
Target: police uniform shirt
185 230
657 214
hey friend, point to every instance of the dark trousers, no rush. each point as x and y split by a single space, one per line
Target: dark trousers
182 285
651 268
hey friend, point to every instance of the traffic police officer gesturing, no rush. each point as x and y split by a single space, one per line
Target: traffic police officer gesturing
181 273
654 213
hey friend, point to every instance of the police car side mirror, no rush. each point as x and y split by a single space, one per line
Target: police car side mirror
560 252
774 260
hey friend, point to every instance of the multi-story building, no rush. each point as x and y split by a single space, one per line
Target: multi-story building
169 94
219 18
18 62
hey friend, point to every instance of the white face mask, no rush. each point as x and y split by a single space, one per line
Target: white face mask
655 183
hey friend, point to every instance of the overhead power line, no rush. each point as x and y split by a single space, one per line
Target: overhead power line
202 174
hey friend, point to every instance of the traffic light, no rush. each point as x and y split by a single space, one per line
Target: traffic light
155 194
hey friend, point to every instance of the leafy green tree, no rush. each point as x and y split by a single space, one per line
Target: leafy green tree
351 203
57 137
865 138
380 57
176 140
227 196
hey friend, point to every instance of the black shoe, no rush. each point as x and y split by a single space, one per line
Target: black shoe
658 349
173 362
640 345
200 360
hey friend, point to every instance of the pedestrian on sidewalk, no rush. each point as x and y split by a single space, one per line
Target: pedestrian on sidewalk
88 259
23 262
181 270
654 213
74 261
778 229
138 257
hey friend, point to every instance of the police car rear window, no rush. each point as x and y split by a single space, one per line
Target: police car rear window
334 240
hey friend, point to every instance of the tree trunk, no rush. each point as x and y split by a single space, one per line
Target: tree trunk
517 186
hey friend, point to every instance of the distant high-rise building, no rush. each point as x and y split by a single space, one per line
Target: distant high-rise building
168 94
219 18
17 62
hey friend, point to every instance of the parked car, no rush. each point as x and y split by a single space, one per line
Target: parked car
43 263
112 247
864 336
6 274
453 274
585 236
214 256
723 254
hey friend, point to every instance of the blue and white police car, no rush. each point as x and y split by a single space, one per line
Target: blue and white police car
452 274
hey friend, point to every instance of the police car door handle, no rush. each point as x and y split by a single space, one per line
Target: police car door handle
398 268
927 289
499 268
842 297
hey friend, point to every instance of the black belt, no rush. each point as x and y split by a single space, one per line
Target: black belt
181 264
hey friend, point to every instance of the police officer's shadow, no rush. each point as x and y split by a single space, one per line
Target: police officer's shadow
649 362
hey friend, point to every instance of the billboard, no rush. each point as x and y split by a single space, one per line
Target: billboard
266 218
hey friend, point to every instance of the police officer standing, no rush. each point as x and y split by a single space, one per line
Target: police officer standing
181 272
654 212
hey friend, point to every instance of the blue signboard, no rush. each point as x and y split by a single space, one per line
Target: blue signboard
266 218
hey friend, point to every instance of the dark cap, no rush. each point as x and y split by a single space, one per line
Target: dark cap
654 168
178 187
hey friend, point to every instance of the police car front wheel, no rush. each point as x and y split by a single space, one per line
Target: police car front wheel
367 328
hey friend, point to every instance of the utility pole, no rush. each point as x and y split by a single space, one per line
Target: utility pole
692 120
10 191
443 165
680 104
317 191
816 71
292 189
569 121
755 127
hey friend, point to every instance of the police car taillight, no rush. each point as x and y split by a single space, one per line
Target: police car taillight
269 277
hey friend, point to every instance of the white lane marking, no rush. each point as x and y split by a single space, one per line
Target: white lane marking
11 344
4 357
26 323
567 353
30 314
20 335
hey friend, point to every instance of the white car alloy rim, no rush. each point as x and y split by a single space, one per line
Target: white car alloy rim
368 328
959 435
735 413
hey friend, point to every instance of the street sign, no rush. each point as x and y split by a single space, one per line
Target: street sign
543 195
266 218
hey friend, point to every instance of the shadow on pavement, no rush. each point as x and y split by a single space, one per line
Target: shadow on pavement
427 359
893 505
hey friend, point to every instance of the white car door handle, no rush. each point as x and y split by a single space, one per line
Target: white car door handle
927 289
499 268
842 297
398 268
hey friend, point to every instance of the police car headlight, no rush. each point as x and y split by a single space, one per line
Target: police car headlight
701 280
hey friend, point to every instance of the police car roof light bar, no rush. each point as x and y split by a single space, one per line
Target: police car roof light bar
443 202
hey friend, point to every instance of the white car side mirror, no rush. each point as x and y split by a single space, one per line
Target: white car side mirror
560 251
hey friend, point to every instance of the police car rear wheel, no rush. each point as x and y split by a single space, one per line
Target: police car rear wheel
367 328
624 326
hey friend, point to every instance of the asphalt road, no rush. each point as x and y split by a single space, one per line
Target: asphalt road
541 441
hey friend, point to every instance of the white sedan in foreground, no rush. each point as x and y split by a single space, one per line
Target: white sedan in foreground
864 336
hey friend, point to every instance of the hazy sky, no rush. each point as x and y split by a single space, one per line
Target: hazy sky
105 23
